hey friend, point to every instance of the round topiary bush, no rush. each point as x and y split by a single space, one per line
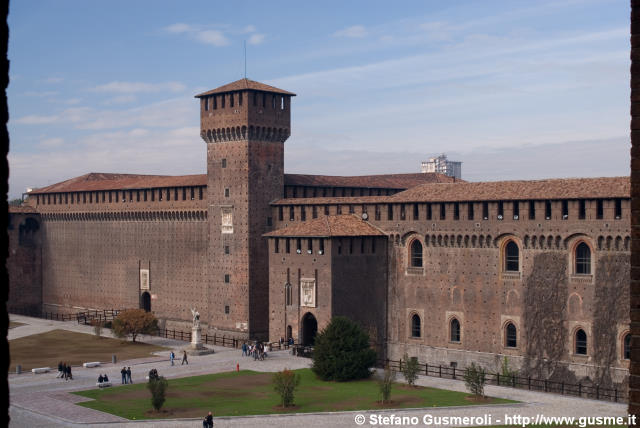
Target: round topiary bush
342 352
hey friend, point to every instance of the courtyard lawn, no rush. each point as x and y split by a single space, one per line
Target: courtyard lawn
251 393
47 349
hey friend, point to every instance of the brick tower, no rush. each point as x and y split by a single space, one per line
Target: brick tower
245 125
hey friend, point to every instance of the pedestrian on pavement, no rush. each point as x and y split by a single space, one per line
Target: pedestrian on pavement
244 349
123 373
69 375
172 356
208 421
129 375
184 358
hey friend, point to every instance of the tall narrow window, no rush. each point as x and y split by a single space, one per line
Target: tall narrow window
626 347
169 194
205 101
292 214
255 98
377 212
618 209
224 163
287 246
416 253
470 211
239 98
231 99
581 342
500 210
510 336
298 245
280 213
532 210
454 330
583 259
200 193
582 209
443 211
599 209
511 257
415 326
390 212
321 246
314 211
456 211
547 210
309 246
402 212
223 99
215 102
277 245
429 212
516 210
485 210
303 213
565 209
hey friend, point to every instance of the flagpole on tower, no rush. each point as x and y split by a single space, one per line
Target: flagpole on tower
245 59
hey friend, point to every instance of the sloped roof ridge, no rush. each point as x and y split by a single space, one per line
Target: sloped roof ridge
242 84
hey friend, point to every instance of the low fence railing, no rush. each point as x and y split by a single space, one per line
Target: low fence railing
565 388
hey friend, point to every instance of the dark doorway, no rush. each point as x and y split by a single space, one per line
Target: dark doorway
289 332
145 302
309 329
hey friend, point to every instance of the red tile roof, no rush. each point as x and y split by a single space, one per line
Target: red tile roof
333 200
384 181
338 225
244 84
562 188
102 181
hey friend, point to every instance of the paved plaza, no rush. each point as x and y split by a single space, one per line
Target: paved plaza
44 401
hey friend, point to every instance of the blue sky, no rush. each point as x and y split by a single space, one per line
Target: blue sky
514 89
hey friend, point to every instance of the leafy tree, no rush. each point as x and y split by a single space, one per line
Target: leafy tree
342 351
132 322
385 383
475 379
410 369
16 202
158 387
285 384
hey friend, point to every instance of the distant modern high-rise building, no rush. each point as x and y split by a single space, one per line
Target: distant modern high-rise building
442 165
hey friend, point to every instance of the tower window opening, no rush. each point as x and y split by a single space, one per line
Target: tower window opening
565 209
429 212
443 211
581 342
321 245
287 246
255 98
599 209
416 212
282 103
456 211
485 210
231 96
511 336
500 210
415 326
223 98
292 214
511 257
547 210
516 210
618 212
390 212
276 245
206 103
215 102
582 209
470 209
309 246
532 210
416 253
583 259
298 245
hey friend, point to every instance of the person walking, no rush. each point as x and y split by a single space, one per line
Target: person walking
244 349
60 368
172 356
208 421
184 358
129 375
123 373
69 375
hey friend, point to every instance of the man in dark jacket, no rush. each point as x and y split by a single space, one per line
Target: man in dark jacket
123 372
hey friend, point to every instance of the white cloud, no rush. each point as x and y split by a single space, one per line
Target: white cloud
207 36
355 31
53 79
45 94
256 39
121 99
211 37
179 28
129 87
35 119
249 29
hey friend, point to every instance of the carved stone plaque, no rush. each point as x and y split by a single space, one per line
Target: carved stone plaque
227 220
308 292
144 279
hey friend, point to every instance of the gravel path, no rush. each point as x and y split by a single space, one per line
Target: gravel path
43 400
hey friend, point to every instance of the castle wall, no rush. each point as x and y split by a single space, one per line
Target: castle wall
95 264
25 263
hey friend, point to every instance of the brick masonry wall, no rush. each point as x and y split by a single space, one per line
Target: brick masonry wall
25 263
634 379
96 264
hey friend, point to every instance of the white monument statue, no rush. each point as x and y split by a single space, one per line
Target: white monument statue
196 333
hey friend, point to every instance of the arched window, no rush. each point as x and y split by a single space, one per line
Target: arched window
416 253
415 326
454 327
511 336
583 259
511 257
626 346
581 342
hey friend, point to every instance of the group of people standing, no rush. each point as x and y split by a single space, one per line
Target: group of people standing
257 350
126 375
64 371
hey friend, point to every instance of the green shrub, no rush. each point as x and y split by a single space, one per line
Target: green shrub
342 352
385 383
285 384
158 387
507 376
475 379
410 369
